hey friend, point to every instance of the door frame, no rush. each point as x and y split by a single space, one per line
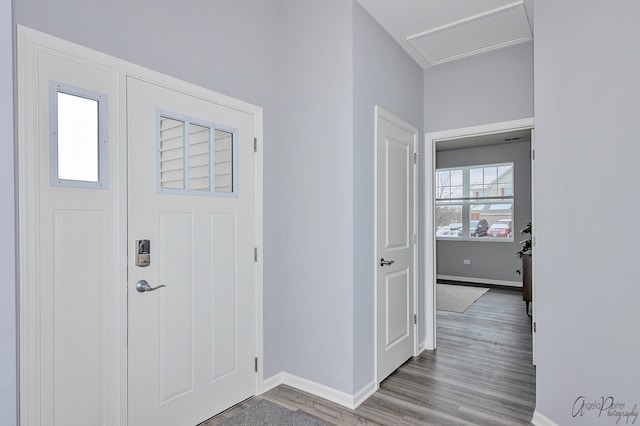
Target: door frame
379 112
29 43
430 140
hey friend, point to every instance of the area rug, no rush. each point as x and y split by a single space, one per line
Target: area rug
457 298
268 413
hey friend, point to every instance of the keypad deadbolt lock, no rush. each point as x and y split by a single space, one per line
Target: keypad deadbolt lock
143 253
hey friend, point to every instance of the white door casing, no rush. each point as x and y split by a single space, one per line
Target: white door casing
395 228
191 343
429 202
74 245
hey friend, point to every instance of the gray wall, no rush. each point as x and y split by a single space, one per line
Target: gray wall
281 55
232 47
316 198
492 87
8 349
384 75
489 260
587 91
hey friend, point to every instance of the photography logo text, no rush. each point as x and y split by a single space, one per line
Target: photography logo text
606 407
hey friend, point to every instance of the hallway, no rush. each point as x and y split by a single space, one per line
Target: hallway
481 374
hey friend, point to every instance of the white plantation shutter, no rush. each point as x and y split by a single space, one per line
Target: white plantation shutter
223 161
171 153
198 160
199 157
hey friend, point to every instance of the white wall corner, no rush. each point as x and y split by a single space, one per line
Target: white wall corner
272 382
542 420
325 392
363 394
322 391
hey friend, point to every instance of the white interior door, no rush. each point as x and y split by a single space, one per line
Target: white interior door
191 193
396 146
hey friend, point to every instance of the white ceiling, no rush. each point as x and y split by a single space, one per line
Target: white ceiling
438 31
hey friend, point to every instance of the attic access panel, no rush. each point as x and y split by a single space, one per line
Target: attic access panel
487 31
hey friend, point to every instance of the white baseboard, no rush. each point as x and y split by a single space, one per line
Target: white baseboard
542 420
422 346
479 280
272 382
363 394
321 391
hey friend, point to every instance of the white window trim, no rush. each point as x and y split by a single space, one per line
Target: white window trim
103 162
466 201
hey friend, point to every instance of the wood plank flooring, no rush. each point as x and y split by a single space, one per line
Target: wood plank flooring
481 374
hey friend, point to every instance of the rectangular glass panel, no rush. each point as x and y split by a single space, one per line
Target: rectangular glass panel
491 177
199 158
476 182
223 161
449 184
171 153
443 184
491 181
491 220
448 220
78 138
478 227
456 177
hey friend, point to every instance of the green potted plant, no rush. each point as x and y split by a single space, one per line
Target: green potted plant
526 244
525 254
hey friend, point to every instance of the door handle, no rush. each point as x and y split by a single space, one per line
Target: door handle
386 262
143 285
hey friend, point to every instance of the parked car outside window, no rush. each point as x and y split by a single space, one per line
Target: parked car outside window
478 228
499 230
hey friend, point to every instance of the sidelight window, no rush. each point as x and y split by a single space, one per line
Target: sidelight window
78 137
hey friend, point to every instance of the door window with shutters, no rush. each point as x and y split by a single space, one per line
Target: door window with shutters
195 157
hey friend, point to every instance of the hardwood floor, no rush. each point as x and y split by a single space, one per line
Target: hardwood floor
481 374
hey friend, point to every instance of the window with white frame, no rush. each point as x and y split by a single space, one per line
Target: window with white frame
78 137
475 203
195 157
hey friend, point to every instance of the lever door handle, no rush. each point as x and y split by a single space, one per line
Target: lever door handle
386 262
143 285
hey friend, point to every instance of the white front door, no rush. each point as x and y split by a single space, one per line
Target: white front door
396 146
191 194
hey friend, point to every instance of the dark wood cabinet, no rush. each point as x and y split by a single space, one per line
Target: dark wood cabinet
526 280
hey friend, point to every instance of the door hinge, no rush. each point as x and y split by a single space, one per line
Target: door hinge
415 158
534 327
533 154
533 241
255 254
415 238
415 319
255 144
256 364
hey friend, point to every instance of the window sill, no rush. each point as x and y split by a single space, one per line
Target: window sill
481 239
